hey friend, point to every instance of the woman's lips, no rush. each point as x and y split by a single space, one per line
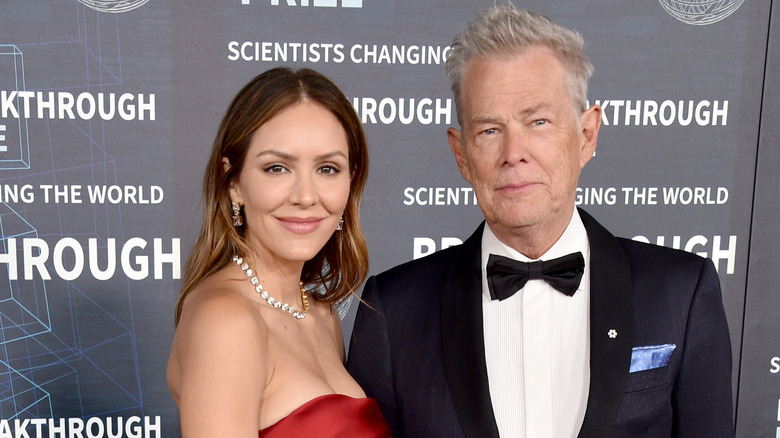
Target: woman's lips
300 225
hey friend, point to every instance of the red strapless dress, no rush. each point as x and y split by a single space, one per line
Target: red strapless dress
331 416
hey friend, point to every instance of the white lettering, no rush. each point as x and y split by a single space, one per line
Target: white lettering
44 104
141 261
596 196
75 427
7 104
89 112
775 362
153 427
84 106
778 411
146 107
425 196
68 258
127 194
729 253
424 246
94 266
78 259
173 258
9 258
667 112
695 195
424 111
132 428
30 260
5 429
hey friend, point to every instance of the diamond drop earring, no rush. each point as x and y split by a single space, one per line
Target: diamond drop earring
237 221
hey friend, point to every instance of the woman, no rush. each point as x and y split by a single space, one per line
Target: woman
256 348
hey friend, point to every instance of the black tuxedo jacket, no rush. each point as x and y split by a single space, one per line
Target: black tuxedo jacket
417 344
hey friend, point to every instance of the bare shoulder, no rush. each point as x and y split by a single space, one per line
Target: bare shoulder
219 365
219 328
216 307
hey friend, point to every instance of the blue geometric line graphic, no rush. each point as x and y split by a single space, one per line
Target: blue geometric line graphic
16 155
71 351
24 309
21 396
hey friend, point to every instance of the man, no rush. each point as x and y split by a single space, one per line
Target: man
605 337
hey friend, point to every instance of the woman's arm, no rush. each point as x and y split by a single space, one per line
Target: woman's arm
220 350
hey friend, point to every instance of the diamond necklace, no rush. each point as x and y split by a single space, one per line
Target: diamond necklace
268 298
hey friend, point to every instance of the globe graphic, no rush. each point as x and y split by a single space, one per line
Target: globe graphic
700 12
113 6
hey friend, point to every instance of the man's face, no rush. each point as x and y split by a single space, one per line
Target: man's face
522 143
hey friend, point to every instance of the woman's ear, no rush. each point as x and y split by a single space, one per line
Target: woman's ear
233 190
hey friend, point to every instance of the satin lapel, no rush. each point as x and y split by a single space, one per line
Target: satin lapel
463 343
611 312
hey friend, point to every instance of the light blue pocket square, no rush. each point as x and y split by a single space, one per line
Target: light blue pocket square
650 357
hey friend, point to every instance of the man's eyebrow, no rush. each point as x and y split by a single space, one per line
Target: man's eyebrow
527 111
479 120
534 108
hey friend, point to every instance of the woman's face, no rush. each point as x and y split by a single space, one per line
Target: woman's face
295 183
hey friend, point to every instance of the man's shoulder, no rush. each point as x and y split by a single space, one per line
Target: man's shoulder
642 252
644 256
432 265
418 281
656 268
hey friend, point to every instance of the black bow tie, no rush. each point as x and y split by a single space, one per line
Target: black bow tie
506 276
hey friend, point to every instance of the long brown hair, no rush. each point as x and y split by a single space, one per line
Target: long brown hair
341 265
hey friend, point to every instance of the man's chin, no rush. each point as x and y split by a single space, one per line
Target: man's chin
515 224
520 217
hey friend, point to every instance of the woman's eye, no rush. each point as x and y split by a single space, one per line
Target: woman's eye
276 168
329 170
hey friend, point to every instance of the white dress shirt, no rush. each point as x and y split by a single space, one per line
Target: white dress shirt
537 346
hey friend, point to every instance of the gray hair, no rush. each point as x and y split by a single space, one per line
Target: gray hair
503 30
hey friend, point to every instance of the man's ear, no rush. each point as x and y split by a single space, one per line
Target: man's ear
590 122
234 190
455 139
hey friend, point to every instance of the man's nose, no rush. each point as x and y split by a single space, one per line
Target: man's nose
514 148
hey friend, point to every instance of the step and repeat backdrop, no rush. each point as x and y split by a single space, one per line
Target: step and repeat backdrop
108 109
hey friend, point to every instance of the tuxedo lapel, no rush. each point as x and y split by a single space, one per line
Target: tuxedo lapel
610 309
611 328
463 343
